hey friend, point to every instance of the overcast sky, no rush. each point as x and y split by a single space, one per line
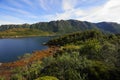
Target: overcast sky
32 11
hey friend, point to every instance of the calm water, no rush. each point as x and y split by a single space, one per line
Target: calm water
10 49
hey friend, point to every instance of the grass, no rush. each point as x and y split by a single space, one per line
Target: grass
71 47
21 32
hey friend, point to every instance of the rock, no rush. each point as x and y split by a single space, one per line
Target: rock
0 64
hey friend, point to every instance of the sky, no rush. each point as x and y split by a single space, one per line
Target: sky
32 11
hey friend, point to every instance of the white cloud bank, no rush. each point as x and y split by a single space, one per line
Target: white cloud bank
69 4
110 12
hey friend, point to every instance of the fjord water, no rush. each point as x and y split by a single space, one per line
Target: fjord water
11 49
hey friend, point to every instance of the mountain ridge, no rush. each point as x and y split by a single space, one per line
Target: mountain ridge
67 26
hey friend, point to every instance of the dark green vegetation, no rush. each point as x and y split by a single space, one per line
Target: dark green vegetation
67 26
89 55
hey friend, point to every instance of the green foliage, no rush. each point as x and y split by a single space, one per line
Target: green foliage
109 53
89 55
32 71
47 78
91 49
75 37
70 47
2 78
73 66
64 67
16 77
101 53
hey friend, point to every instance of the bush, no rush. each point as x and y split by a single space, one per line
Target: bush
2 78
16 77
65 67
47 78
91 49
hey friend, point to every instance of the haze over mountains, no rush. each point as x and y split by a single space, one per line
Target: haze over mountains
66 26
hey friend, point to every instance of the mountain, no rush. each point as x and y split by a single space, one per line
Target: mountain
67 26
109 26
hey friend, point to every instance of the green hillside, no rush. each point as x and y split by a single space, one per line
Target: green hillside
88 55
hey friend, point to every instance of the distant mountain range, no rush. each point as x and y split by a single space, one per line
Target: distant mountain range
67 26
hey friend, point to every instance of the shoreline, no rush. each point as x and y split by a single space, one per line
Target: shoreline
37 55
12 37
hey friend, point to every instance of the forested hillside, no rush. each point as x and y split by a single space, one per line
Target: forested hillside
67 26
88 55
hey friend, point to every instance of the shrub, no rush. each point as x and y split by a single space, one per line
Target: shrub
47 78
2 78
16 77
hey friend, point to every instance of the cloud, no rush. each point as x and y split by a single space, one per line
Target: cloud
68 4
68 9
107 12
17 10
71 14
